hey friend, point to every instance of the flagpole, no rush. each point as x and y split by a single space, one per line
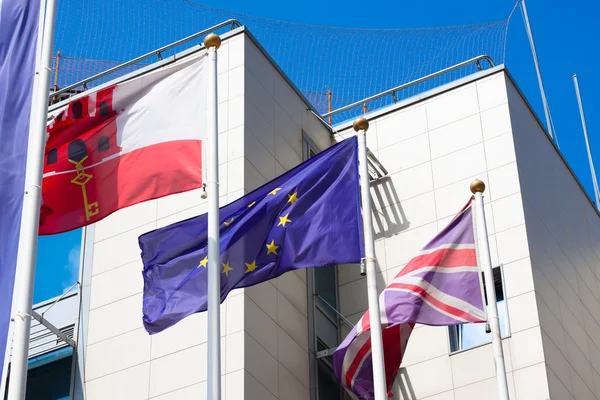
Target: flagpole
361 125
212 42
587 142
10 335
28 235
477 188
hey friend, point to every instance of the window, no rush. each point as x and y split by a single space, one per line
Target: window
104 110
329 386
103 144
77 110
467 336
326 291
49 376
309 148
52 157
77 150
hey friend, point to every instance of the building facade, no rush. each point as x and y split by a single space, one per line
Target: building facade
52 354
544 237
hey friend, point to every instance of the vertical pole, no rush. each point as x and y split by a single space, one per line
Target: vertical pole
538 71
28 236
329 98
477 188
212 42
56 66
38 60
587 142
312 335
361 125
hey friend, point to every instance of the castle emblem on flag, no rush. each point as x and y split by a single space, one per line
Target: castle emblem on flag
78 144
102 147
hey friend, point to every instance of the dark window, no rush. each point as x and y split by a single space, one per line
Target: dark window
52 157
326 290
77 110
49 379
104 110
103 144
77 150
329 386
467 336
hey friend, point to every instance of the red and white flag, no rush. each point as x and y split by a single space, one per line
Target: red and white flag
124 144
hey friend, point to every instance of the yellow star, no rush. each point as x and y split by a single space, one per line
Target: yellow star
274 191
203 262
251 204
226 268
284 220
293 198
251 267
272 248
227 223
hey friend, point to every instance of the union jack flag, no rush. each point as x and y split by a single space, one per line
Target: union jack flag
440 286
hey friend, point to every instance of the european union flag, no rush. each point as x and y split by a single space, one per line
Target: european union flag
308 217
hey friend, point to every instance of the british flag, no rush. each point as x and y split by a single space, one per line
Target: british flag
440 286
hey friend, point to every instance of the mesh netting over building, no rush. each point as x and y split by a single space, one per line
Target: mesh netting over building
72 70
93 37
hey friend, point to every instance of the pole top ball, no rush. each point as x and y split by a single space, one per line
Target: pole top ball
212 40
477 186
360 124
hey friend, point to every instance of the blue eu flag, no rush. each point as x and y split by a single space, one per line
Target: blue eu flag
307 217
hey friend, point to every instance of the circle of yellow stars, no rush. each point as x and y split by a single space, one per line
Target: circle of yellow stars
271 247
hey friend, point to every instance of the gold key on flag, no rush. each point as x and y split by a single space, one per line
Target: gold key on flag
119 129
82 179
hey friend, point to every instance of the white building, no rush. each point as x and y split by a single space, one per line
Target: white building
52 355
544 233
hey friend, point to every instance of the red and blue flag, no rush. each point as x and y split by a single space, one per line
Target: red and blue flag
440 286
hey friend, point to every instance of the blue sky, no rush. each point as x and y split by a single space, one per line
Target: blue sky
566 38
57 264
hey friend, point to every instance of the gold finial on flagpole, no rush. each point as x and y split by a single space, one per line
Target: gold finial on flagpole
360 124
477 186
212 40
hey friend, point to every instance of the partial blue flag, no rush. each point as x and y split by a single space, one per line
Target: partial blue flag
18 38
308 217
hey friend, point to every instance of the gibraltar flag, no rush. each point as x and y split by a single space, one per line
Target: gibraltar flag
124 144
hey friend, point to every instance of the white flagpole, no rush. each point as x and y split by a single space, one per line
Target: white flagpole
361 125
38 59
212 42
587 142
28 235
477 188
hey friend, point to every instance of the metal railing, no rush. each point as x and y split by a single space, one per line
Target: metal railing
392 91
158 52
